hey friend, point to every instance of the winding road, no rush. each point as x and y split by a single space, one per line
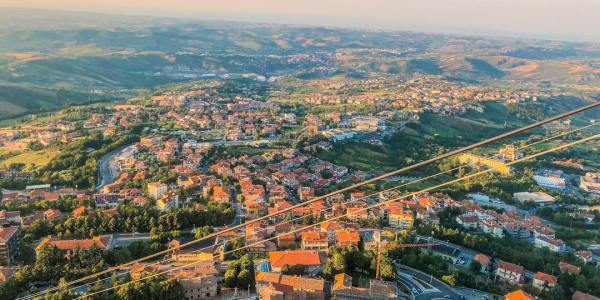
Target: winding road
423 286
108 165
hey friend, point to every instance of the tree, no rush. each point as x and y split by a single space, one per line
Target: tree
449 279
230 279
243 279
387 269
475 266
293 270
203 231
63 293
49 264
171 290
339 263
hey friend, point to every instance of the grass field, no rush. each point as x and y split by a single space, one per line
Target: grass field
32 159
424 138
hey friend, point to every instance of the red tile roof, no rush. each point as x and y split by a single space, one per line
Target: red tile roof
7 232
578 295
295 257
483 259
347 236
569 268
101 242
510 267
518 295
296 282
545 277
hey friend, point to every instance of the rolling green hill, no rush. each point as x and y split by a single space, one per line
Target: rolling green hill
16 100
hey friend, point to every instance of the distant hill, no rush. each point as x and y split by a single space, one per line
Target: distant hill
15 100
50 58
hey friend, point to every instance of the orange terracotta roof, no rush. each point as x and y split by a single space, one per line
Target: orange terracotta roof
347 236
545 277
313 236
569 267
79 211
510 267
7 232
100 242
296 282
295 257
518 295
483 259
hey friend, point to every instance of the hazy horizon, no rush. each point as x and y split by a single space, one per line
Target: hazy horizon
544 19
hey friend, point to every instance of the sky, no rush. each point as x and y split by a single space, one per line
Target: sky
554 19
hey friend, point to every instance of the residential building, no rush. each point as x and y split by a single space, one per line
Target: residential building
518 295
168 201
9 244
10 216
569 268
106 200
554 245
585 255
590 183
314 240
6 273
157 189
509 152
510 272
347 238
312 260
69 247
544 281
579 295
468 221
52 214
186 256
342 289
484 260
221 194
311 289
286 241
198 285
400 219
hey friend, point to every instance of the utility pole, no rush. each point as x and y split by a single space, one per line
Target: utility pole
378 261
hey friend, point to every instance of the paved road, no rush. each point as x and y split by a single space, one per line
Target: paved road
108 167
124 239
239 214
423 286
449 249
463 252
241 142
471 294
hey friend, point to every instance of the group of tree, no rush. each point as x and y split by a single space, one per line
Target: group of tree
352 260
143 219
76 164
240 273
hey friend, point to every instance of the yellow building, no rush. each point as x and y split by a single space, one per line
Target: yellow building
157 189
191 256
509 152
477 161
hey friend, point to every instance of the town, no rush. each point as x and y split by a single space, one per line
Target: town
119 182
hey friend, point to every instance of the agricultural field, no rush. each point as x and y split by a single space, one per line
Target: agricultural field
31 159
